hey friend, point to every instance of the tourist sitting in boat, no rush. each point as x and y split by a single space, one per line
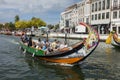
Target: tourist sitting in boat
24 38
63 45
39 44
30 42
54 44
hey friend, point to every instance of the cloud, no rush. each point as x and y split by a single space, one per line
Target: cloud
10 8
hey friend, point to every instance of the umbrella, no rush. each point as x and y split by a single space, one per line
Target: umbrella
42 27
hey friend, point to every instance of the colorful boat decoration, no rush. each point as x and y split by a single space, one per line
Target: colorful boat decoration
113 39
69 55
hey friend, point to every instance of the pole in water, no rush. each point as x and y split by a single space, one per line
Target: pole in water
33 54
47 34
65 37
24 51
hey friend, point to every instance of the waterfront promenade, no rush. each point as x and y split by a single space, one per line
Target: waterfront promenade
103 37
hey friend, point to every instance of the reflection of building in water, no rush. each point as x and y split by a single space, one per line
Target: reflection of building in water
58 72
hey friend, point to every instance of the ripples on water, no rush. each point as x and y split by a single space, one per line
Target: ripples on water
103 64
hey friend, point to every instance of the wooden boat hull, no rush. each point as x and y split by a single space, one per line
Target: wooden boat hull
64 60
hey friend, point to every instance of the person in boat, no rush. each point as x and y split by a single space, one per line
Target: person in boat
63 45
39 44
30 43
54 44
24 37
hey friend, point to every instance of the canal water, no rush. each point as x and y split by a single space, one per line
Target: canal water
102 64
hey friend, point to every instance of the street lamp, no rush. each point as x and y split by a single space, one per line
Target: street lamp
65 36
32 29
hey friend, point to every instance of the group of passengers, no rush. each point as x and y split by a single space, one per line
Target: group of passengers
50 46
45 45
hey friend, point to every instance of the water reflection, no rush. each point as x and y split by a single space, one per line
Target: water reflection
58 72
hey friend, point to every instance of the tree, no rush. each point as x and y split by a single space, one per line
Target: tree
37 22
11 26
21 24
1 26
56 26
50 26
6 26
17 18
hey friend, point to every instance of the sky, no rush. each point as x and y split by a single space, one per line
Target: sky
47 10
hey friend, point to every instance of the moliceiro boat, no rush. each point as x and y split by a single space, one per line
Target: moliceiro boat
113 39
68 55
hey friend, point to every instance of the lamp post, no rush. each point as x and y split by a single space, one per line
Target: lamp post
32 29
65 36
47 34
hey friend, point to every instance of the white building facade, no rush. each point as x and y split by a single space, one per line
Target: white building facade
103 15
115 16
75 14
100 15
69 17
84 11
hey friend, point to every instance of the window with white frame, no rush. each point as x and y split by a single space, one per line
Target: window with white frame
115 2
114 14
92 17
103 5
99 16
95 16
92 7
99 5
96 6
107 15
108 4
103 15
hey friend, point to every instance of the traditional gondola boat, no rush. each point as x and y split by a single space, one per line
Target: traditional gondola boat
113 39
72 54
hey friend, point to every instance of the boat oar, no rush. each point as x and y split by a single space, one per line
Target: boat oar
33 54
24 51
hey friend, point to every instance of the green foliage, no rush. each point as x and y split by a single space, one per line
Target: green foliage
21 24
56 26
11 26
1 26
36 22
50 26
17 18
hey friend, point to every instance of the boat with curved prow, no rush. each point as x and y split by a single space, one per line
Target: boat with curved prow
113 39
72 54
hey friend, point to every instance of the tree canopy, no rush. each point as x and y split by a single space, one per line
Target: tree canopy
17 18
36 22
